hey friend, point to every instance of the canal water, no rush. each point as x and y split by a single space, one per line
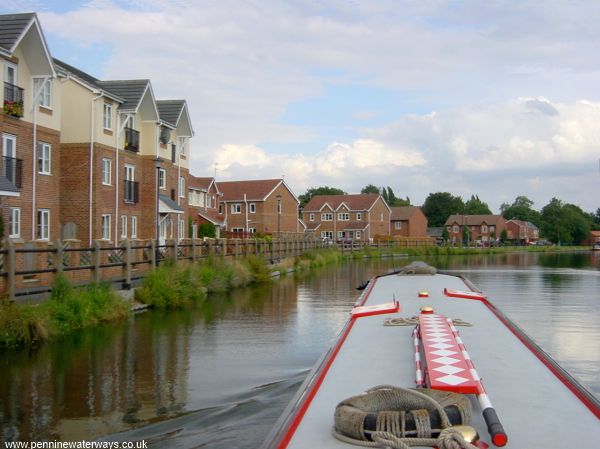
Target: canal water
218 375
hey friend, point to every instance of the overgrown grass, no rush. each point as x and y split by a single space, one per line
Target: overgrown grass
68 309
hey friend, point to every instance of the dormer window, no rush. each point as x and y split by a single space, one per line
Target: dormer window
165 135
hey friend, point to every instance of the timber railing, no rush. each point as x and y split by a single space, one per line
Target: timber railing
29 268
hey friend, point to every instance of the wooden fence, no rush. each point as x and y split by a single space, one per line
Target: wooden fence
29 268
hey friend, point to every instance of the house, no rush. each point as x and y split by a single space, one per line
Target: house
30 130
203 205
347 217
134 152
408 221
482 229
522 232
266 206
594 238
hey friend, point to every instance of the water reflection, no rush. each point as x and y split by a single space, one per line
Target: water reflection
209 374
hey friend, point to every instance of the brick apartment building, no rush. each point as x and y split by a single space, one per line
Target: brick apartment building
266 206
203 204
347 217
482 229
522 232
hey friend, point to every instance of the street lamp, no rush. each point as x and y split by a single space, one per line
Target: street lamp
278 217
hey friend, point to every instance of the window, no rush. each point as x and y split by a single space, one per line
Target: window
182 148
106 171
181 229
483 229
43 95
252 230
14 222
162 178
133 227
343 216
455 229
44 158
252 208
327 234
9 147
236 208
358 235
311 217
181 187
237 229
209 200
106 226
123 226
194 231
43 224
381 217
327 217
107 116
397 225
359 216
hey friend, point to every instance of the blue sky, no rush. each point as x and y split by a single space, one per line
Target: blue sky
497 99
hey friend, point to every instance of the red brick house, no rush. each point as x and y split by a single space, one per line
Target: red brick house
203 204
482 229
30 131
347 217
408 221
522 232
265 206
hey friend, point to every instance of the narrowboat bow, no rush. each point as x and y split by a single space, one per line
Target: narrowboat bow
425 360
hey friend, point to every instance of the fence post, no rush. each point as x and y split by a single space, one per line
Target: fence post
97 258
175 250
11 269
237 249
153 253
127 284
58 257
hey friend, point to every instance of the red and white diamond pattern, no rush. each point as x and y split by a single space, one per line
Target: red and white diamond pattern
446 366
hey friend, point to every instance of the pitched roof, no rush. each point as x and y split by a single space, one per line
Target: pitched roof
402 213
201 183
256 190
474 220
363 201
213 216
526 224
12 26
170 110
132 91
91 81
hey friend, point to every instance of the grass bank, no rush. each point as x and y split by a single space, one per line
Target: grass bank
68 309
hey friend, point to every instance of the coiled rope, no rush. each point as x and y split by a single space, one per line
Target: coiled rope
392 406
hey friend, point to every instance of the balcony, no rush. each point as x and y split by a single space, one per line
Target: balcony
12 170
132 192
13 100
132 140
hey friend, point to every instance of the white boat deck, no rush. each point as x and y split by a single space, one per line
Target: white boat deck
535 407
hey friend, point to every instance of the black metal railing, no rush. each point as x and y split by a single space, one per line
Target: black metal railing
12 169
132 191
132 140
13 100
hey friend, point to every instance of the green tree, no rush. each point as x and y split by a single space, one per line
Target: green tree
207 230
564 223
440 205
521 209
392 199
445 235
475 206
370 189
324 190
503 235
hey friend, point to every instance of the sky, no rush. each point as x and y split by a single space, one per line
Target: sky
490 98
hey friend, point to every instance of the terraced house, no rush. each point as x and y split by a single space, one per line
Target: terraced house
203 205
482 230
347 217
30 130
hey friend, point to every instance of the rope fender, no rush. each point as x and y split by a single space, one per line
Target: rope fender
387 414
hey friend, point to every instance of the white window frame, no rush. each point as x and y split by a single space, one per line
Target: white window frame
341 235
252 209
9 138
106 171
129 172
359 216
484 229
236 208
327 216
237 229
343 216
45 97
181 148
8 66
162 178
107 116
311 217
181 187
455 229
44 155
181 229
43 224
123 226
358 235
14 222
134 222
327 234
105 226
398 225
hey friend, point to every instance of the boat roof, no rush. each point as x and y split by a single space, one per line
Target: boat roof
538 404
